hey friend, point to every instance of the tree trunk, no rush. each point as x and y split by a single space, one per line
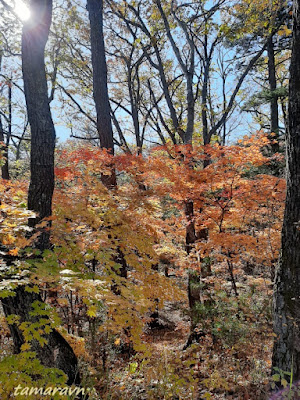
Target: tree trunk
57 353
274 122
134 108
190 109
286 352
100 93
3 149
100 89
34 38
165 87
205 135
190 234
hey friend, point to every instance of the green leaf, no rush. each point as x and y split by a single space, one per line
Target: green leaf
276 378
133 367
284 382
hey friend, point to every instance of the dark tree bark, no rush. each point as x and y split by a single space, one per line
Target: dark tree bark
286 352
100 93
133 82
190 233
100 90
34 39
4 146
206 58
57 352
9 133
274 121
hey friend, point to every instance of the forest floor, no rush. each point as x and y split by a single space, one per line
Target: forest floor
205 370
232 362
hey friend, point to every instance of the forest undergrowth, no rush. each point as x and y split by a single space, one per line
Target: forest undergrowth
178 325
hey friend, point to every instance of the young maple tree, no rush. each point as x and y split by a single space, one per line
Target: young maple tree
238 208
235 203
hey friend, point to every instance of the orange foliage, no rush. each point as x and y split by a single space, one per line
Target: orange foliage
235 201
240 206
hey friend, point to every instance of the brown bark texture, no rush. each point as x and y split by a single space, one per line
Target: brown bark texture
3 149
57 352
100 89
274 120
286 352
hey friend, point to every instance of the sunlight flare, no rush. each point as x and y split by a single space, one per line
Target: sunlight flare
22 10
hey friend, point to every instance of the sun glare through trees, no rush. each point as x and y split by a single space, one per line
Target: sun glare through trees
153 254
